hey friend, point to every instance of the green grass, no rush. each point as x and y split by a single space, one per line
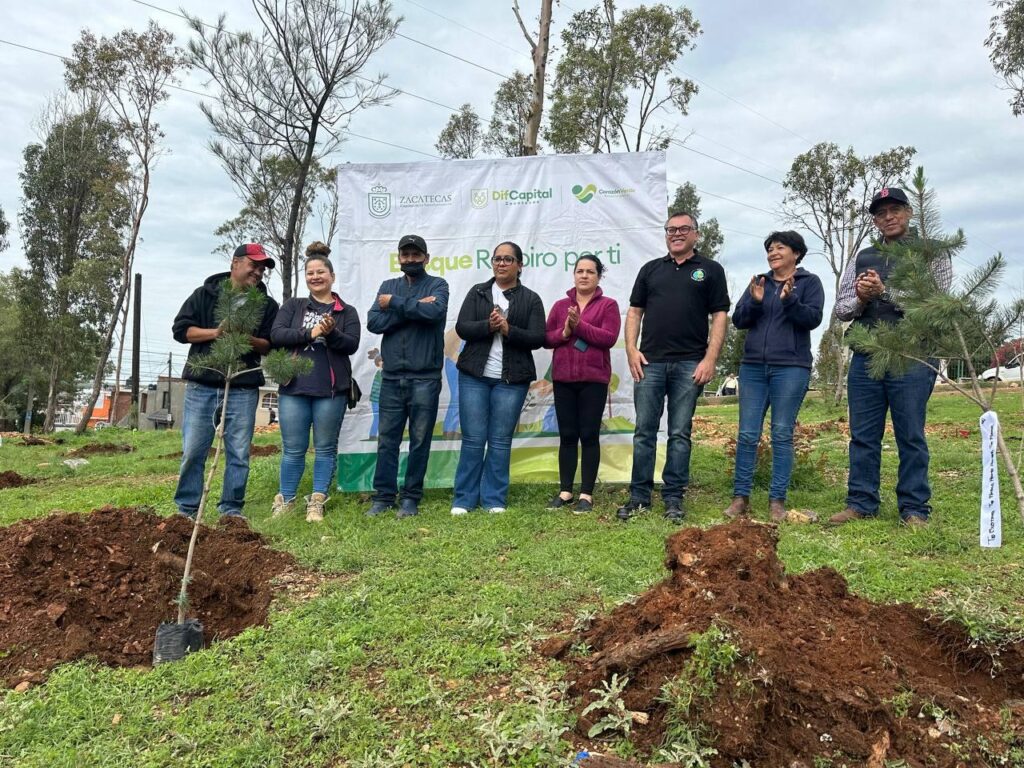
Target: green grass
421 654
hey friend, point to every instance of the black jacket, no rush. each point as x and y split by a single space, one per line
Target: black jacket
525 332
341 342
413 330
198 312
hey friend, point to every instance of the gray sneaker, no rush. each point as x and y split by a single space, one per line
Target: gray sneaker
379 508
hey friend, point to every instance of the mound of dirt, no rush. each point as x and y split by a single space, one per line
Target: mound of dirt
11 479
101 449
816 672
99 584
254 450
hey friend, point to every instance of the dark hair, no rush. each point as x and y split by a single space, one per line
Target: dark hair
673 214
598 265
317 251
515 249
790 239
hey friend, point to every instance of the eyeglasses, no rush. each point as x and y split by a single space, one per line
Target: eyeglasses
503 259
683 230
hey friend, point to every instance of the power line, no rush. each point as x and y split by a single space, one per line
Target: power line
468 29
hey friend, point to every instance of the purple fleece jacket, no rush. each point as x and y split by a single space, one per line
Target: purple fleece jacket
598 329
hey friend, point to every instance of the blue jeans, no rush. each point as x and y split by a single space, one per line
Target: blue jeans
297 414
674 380
405 400
490 410
202 408
906 399
783 388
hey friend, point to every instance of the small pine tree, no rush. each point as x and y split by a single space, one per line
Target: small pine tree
938 324
238 314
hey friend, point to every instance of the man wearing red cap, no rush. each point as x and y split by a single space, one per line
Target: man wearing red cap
204 393
863 298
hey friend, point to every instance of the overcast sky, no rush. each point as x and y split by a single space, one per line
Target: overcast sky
775 78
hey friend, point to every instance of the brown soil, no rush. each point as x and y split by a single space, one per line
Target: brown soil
100 449
254 450
823 673
99 584
11 479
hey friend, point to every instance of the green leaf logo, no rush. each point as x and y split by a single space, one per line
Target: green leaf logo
584 194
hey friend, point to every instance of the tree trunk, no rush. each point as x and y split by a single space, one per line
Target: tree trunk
540 63
1011 470
51 396
126 274
123 320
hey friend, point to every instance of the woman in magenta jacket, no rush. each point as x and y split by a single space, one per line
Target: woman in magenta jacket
581 329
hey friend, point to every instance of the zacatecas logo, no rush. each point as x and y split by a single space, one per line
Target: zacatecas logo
379 201
584 194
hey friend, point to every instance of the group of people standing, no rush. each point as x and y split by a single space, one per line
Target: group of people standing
674 331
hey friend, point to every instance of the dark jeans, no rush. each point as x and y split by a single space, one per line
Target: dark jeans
401 401
673 381
579 406
783 388
490 410
906 399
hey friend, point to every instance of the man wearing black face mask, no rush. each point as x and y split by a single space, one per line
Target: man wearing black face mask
410 313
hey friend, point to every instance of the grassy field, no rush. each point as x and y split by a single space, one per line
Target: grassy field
419 652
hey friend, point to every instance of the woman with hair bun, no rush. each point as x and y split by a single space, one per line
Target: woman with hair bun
324 330
779 309
581 329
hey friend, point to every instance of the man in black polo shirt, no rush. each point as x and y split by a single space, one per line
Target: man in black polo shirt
672 298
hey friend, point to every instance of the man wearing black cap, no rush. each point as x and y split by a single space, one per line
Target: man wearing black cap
410 313
204 393
863 298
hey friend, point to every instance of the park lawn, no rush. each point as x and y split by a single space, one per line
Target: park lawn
418 649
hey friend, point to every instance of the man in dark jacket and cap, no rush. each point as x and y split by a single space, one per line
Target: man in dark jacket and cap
409 312
863 298
196 325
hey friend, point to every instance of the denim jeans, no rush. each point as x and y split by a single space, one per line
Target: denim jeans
202 409
489 410
783 388
401 401
674 380
297 414
906 399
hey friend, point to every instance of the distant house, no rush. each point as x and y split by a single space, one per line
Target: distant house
161 404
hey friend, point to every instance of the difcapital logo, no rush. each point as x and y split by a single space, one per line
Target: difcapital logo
584 194
379 201
522 196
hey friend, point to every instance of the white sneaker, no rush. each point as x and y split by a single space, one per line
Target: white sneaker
459 511
496 510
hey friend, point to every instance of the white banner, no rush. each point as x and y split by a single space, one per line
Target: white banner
555 208
991 514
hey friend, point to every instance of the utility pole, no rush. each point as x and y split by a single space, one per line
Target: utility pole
136 341
27 428
170 391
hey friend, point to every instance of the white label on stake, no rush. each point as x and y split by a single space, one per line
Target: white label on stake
991 518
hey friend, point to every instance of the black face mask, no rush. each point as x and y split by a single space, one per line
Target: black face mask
414 269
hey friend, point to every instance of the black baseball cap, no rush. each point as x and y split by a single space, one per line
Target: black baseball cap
886 195
413 241
255 253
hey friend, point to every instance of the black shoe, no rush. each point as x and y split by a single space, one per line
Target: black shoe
557 502
634 507
674 511
408 508
583 506
379 508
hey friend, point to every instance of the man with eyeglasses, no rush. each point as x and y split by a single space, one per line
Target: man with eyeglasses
197 326
409 312
672 298
863 298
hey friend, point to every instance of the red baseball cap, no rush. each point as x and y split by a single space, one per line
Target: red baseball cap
256 253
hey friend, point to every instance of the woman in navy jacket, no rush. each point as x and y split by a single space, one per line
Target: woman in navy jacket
779 309
322 329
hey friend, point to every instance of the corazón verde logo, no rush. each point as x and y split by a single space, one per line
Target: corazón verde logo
584 194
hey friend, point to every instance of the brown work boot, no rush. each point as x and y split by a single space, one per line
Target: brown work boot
777 509
315 507
740 507
845 516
